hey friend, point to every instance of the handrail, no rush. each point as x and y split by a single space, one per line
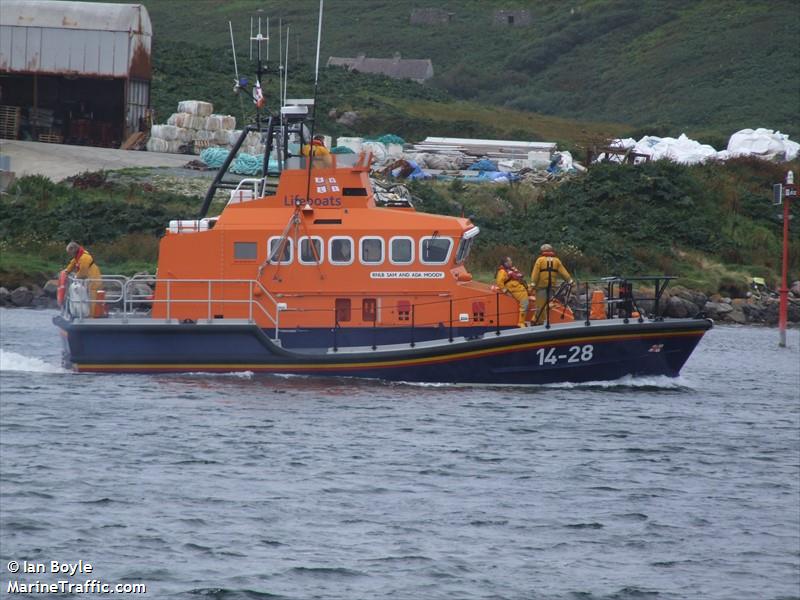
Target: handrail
123 293
619 302
257 182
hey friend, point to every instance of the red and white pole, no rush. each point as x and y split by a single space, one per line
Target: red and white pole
789 192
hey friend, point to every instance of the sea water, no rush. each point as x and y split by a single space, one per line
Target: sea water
249 486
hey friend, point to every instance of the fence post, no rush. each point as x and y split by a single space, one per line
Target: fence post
169 297
374 332
209 299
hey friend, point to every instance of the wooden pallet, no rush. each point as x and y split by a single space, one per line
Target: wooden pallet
136 141
9 122
51 138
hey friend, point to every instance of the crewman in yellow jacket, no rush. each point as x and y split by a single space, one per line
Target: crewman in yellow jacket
510 281
322 156
82 266
545 273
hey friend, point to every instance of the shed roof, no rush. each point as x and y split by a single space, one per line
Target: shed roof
399 68
91 16
75 38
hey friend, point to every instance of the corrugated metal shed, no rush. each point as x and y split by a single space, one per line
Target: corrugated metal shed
418 70
75 38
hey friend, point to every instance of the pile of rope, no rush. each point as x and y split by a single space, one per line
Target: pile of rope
244 164
247 164
214 157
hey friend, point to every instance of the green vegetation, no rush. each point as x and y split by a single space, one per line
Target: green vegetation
119 222
703 67
579 74
712 225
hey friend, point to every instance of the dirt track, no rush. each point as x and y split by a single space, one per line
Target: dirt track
59 161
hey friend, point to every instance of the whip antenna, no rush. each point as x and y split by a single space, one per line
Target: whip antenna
280 63
286 69
314 108
233 49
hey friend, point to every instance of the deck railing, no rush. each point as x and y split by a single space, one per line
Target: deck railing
128 300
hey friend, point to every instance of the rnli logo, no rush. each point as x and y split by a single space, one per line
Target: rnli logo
656 348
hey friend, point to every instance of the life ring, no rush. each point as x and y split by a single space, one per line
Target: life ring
62 288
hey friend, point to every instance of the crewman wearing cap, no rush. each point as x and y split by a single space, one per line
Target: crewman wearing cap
546 271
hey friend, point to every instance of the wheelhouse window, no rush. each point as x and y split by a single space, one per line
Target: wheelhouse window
466 245
401 251
310 250
245 250
371 250
340 251
435 250
280 250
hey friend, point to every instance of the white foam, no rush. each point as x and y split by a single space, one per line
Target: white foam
653 381
237 374
11 361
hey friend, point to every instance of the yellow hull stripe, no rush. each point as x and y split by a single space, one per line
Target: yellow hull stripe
374 364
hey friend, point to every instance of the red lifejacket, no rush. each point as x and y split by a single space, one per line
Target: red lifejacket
514 273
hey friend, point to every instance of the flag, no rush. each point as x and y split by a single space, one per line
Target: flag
258 97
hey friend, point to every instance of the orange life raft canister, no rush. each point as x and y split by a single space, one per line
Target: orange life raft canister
62 288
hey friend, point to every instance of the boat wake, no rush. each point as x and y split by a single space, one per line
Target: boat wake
12 361
655 382
234 374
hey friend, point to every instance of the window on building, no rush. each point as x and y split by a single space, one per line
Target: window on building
371 250
340 251
245 250
435 250
401 251
310 250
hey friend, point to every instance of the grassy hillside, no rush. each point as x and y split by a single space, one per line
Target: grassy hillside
706 67
384 105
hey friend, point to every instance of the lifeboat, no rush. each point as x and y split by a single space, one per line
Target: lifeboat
308 271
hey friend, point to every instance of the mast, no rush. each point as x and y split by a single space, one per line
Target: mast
314 108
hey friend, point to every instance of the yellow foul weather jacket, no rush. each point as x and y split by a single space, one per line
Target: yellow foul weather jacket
546 270
83 266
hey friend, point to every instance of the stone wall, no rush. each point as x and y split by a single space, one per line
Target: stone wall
513 18
430 16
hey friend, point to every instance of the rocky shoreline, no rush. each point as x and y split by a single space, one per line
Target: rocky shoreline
678 302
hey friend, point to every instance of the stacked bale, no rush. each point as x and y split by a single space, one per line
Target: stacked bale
194 126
